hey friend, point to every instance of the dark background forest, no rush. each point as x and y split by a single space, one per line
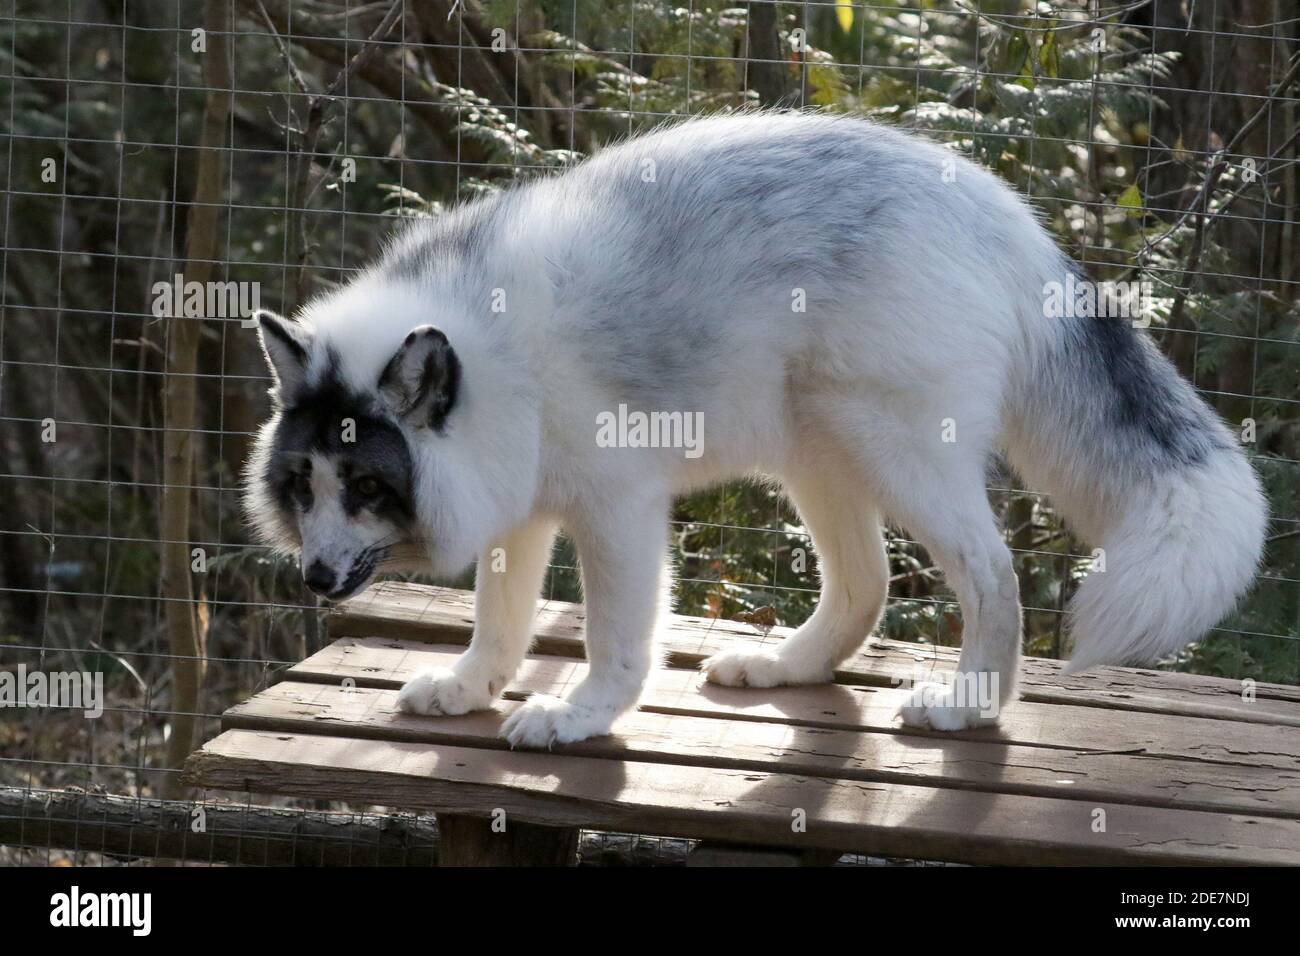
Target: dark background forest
1158 140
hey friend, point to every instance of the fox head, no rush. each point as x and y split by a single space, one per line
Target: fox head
338 473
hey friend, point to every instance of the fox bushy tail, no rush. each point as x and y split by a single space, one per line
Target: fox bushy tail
1148 475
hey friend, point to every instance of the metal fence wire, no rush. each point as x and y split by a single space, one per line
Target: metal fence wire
272 144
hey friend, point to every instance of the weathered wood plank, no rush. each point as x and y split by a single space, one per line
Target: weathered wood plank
387 663
364 713
444 615
738 805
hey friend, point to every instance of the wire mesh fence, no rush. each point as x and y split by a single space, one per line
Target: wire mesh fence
169 166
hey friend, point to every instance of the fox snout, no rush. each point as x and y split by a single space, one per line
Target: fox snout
319 577
339 583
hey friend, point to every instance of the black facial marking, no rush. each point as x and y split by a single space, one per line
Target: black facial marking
314 424
386 501
300 485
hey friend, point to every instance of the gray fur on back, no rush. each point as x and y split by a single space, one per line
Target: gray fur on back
744 209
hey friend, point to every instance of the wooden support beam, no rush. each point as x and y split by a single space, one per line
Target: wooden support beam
709 853
474 841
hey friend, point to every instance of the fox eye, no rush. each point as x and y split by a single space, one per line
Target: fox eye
302 484
367 487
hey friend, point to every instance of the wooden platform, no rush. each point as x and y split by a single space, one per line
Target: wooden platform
1115 766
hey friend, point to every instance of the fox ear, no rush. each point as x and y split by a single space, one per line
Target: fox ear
287 345
421 381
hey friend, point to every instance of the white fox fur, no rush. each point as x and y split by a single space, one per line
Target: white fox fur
837 301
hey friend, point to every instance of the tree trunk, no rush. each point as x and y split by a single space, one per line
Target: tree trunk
766 69
184 631
1220 79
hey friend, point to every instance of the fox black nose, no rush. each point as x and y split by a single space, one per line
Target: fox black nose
319 578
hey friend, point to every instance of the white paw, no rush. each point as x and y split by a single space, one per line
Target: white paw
440 692
934 706
745 668
544 720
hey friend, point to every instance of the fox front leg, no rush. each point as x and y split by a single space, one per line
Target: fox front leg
622 560
507 583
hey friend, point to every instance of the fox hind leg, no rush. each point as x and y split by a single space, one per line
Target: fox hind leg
948 513
930 480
